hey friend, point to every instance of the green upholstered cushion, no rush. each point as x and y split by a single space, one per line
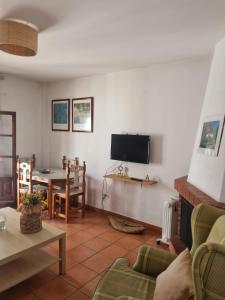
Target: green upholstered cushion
209 272
202 220
217 233
152 261
122 280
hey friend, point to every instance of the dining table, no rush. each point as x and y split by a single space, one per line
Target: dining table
53 177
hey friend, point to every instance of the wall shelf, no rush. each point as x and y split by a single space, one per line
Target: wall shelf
130 179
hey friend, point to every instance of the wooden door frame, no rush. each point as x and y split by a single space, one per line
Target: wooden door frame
13 156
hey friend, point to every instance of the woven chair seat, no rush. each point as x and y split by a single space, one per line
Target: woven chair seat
35 188
62 192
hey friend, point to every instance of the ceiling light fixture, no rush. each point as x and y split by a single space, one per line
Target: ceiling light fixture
18 37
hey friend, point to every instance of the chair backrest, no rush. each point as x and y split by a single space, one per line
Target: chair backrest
202 220
24 175
28 159
208 250
66 160
217 233
79 173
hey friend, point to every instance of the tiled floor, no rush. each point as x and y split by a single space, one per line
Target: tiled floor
92 246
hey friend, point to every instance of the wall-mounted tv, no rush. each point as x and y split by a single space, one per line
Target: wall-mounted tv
131 148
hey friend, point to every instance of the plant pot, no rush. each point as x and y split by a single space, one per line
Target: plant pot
30 221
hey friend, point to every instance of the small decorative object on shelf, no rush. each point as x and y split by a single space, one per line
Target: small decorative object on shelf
147 178
120 169
2 221
30 219
126 171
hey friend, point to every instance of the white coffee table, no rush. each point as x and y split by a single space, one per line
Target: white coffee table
21 256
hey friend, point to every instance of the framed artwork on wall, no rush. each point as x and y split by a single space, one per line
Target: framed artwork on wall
211 134
61 115
82 114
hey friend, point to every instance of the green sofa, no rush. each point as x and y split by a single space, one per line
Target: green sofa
122 282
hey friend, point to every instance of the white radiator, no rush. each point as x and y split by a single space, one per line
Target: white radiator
169 227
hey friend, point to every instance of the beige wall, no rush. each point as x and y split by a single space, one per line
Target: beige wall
25 98
163 101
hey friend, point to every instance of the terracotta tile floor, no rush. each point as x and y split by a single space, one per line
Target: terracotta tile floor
92 246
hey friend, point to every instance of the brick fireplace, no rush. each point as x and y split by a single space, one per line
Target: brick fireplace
189 197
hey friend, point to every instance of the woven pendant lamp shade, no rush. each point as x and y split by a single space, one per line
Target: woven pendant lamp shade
18 38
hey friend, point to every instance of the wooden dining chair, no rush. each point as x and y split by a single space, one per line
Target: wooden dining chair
25 184
61 183
24 179
64 161
28 159
66 201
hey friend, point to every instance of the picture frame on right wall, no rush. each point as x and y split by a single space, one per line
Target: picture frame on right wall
82 114
211 135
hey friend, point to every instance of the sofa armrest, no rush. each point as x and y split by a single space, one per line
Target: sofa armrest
152 261
209 272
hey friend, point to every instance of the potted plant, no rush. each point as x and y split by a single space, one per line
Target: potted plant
30 219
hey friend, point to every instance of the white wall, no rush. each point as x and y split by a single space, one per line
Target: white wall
208 172
25 98
163 101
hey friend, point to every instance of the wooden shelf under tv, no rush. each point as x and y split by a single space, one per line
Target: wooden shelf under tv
130 179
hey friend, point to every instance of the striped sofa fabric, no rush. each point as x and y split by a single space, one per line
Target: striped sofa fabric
122 282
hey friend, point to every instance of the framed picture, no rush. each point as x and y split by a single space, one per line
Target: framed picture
61 115
82 114
212 129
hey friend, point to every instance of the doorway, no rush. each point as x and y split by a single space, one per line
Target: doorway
7 159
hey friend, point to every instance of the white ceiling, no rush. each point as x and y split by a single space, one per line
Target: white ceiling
84 37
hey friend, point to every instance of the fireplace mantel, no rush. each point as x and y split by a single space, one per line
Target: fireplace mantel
193 195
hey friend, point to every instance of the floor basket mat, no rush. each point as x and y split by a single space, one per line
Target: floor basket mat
125 225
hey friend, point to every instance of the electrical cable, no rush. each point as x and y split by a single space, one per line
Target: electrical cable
110 169
104 191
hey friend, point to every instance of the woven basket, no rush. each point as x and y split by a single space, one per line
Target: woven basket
30 222
125 225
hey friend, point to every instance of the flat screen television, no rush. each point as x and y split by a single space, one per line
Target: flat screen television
131 148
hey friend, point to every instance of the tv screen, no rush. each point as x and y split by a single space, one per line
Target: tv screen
132 148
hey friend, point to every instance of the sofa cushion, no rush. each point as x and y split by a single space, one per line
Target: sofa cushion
217 232
175 283
122 280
